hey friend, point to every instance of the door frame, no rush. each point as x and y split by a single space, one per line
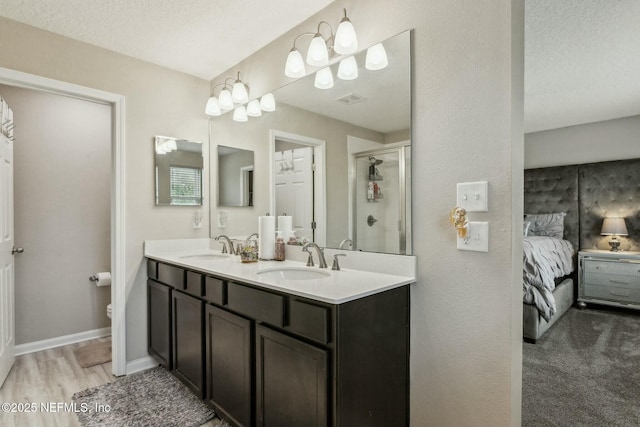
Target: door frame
319 180
118 260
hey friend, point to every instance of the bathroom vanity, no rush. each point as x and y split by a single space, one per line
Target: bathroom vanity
267 344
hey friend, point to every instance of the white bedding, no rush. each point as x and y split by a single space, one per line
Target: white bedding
545 258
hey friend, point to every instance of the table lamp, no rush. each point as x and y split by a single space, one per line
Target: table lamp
614 227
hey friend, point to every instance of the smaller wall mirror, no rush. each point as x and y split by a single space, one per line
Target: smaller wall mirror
179 165
235 176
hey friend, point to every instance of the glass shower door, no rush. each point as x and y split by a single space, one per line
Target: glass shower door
379 201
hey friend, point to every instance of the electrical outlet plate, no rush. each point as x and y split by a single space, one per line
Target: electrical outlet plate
477 239
473 196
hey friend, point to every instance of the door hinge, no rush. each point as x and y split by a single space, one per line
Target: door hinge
313 167
313 225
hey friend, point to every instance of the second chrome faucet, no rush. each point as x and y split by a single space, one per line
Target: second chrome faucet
321 261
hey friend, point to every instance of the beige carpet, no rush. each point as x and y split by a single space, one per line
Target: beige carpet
92 354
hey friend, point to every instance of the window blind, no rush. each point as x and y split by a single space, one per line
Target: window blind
186 185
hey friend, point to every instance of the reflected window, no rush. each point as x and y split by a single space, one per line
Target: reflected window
186 188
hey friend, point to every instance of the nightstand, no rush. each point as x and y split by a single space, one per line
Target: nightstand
609 278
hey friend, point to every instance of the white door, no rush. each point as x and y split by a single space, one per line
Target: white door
7 324
294 188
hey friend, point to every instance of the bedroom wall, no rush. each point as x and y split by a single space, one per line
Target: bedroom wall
593 142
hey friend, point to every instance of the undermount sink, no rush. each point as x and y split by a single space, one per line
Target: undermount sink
204 257
293 273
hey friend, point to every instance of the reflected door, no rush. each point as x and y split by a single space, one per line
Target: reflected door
7 315
293 171
379 205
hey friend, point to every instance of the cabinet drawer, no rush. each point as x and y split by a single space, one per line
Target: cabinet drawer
152 269
309 320
611 267
619 280
172 276
257 304
612 293
214 290
194 284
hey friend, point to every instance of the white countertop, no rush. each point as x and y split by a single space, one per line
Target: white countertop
338 287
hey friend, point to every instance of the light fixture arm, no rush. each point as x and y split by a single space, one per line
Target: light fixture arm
330 30
213 89
300 35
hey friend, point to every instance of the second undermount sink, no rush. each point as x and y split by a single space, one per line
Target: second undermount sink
293 273
204 257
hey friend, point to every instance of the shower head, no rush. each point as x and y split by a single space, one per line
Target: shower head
374 161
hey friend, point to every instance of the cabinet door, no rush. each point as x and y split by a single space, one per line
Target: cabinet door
229 361
159 322
188 354
291 381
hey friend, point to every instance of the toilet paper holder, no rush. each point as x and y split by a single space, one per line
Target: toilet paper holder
93 277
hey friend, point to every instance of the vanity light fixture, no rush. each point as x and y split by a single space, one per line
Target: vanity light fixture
345 41
224 101
235 96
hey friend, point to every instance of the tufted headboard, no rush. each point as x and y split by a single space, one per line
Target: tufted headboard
551 190
588 193
609 189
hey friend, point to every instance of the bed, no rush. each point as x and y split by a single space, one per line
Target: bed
551 208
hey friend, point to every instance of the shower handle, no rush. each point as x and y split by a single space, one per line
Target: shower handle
15 250
371 220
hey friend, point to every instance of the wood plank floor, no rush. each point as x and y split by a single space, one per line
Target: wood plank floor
52 376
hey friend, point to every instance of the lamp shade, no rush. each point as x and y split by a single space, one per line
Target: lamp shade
239 93
213 108
324 78
268 102
346 40
318 55
376 58
253 108
294 66
225 100
614 226
240 114
348 68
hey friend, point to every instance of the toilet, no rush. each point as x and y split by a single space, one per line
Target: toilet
109 311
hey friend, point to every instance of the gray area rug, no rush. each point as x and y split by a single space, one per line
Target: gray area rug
585 371
149 398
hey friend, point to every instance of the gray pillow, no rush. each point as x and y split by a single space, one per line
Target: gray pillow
551 225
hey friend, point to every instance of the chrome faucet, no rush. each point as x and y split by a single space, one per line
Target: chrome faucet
229 243
321 260
344 243
252 235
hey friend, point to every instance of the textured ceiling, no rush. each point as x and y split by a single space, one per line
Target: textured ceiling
582 62
203 38
582 58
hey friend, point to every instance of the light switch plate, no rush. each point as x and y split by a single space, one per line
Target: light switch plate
477 238
473 196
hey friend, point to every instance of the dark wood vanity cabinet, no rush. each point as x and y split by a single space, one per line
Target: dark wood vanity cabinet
159 325
292 381
265 358
188 355
229 365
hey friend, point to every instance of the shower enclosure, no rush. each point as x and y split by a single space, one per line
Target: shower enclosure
380 198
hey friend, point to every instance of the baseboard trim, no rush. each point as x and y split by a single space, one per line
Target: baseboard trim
141 364
33 347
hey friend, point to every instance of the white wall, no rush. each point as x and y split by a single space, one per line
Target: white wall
62 183
593 142
158 102
466 311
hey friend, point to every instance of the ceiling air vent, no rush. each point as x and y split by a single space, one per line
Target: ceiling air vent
350 99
